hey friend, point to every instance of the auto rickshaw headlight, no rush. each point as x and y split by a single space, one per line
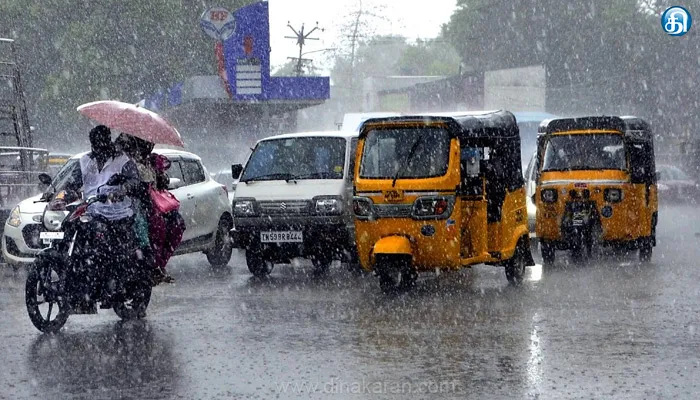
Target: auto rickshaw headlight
612 195
328 205
362 207
549 195
431 207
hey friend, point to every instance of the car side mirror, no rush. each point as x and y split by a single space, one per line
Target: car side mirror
174 183
45 179
236 170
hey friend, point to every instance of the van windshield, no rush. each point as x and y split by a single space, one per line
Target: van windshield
296 158
585 152
405 153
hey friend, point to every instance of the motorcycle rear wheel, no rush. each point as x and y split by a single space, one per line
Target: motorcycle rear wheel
44 286
135 306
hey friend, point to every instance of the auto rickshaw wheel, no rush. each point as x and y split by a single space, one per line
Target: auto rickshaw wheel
548 254
645 252
515 267
395 273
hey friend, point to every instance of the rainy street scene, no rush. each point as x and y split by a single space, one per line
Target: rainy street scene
355 199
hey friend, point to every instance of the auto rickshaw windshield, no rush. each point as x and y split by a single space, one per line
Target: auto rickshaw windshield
406 153
585 152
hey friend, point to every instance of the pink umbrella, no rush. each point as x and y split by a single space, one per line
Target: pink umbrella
133 120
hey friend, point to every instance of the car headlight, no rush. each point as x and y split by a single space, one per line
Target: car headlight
243 207
548 195
362 207
612 195
328 205
15 219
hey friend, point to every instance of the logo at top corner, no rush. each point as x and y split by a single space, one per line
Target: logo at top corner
218 22
676 21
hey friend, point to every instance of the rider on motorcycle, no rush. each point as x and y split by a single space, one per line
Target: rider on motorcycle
96 169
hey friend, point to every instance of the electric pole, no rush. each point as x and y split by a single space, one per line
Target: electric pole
301 39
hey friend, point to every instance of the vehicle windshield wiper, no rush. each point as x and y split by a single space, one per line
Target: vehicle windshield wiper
267 177
318 175
403 166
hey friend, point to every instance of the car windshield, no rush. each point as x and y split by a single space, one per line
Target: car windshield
405 153
585 152
297 158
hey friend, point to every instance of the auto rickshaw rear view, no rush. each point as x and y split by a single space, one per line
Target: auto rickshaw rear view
441 191
596 186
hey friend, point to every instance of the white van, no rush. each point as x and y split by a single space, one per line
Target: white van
293 199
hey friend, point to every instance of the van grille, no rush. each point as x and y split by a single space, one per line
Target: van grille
285 207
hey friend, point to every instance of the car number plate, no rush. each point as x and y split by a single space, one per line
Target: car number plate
281 237
47 237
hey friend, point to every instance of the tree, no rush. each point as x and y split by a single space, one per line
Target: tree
429 57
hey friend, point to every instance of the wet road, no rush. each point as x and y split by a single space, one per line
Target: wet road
612 329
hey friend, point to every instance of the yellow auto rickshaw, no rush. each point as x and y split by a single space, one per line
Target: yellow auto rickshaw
596 186
440 191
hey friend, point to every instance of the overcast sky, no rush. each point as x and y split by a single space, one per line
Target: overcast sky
405 17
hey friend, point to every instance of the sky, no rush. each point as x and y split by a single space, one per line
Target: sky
406 18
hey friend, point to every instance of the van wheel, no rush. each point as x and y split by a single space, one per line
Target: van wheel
645 253
548 254
258 265
515 267
219 255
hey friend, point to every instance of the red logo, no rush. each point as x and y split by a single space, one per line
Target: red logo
248 45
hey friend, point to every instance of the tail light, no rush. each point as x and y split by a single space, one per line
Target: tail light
432 207
548 195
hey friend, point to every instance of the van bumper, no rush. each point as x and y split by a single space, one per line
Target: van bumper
334 234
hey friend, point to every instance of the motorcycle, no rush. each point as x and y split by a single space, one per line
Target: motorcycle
74 275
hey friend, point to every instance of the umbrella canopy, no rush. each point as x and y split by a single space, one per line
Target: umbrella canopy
133 120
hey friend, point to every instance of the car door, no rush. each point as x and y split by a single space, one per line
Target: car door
180 191
196 181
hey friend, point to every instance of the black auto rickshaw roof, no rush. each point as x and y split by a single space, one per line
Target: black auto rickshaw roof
472 124
633 127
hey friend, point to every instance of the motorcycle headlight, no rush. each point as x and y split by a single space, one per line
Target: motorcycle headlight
244 207
362 207
328 205
548 195
612 195
15 218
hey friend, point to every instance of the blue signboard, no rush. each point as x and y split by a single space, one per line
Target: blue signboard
247 61
244 67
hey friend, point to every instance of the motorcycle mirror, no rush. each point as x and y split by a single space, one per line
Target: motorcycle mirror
45 179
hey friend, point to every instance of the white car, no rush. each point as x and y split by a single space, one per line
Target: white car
530 188
224 177
204 205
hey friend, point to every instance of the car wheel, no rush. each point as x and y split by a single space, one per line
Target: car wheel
220 254
258 264
322 264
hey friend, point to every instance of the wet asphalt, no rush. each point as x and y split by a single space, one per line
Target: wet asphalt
611 328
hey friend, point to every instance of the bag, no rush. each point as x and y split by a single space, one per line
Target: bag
163 201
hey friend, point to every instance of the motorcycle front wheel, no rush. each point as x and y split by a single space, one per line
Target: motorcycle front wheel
47 304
